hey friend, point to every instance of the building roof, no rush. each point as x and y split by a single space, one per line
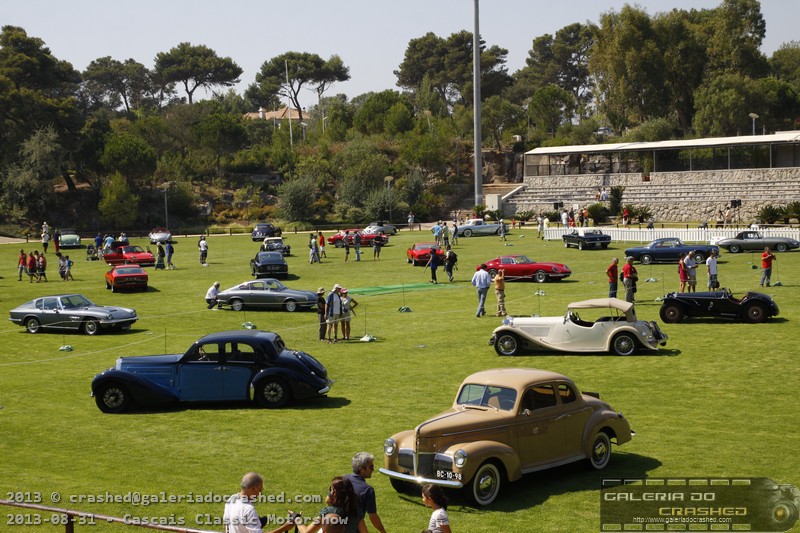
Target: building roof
283 113
775 138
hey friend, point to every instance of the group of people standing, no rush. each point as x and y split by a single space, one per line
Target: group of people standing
333 310
34 265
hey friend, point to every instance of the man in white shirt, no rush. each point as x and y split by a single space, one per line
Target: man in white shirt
211 295
481 281
240 516
711 263
691 271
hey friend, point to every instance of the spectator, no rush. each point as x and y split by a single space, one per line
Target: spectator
377 244
433 497
728 216
45 241
56 240
682 275
211 296
62 266
766 266
500 291
433 263
240 515
170 250
41 268
629 279
203 246
363 467
720 222
98 242
322 246
323 326
160 255
613 272
357 244
481 281
437 232
691 271
313 250
711 264
341 509
445 234
626 217
348 306
540 226
410 221
502 230
450 261
346 241
68 271
454 234
22 264
33 263
333 313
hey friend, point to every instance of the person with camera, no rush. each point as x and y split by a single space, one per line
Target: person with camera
629 279
240 515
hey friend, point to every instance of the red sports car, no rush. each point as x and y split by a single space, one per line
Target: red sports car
126 277
420 252
522 267
337 239
125 253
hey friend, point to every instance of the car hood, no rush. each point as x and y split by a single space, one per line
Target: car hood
103 310
462 420
146 361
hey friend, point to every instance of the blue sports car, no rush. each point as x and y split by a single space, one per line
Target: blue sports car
669 250
238 365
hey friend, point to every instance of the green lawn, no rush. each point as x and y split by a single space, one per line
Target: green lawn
719 401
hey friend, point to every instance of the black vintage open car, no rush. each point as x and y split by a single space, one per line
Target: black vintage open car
753 307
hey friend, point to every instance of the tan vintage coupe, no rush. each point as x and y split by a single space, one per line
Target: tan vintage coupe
505 423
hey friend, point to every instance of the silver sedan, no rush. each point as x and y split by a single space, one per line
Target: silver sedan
266 293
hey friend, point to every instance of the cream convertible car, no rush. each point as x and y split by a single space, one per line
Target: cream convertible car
615 329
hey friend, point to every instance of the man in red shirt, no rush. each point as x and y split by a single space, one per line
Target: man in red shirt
613 281
629 279
766 266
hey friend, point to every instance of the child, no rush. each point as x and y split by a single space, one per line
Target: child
68 270
433 497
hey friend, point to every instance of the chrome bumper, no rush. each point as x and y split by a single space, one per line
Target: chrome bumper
419 480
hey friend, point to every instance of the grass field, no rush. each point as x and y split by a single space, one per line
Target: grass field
720 400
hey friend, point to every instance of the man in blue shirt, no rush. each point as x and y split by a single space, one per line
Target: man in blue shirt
481 281
363 467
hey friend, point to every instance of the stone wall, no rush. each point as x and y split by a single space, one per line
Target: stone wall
670 196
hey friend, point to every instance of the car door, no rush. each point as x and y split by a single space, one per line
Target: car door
575 414
241 361
574 333
200 374
256 294
49 314
540 428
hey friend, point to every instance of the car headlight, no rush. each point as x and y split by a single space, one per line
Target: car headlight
389 446
108 316
460 458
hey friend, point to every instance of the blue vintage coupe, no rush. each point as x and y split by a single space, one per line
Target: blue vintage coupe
669 250
240 365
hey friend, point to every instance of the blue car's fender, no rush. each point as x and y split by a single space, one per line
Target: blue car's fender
142 390
301 385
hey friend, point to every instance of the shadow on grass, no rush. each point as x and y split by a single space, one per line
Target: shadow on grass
297 405
536 488
639 353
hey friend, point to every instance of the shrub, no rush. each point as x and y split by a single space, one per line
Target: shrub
770 214
615 199
598 213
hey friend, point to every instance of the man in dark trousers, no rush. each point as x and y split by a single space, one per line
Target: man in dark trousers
363 467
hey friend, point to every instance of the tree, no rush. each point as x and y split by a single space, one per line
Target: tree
28 185
371 116
737 30
115 83
723 105
398 119
785 63
128 155
498 114
195 67
550 106
118 205
36 90
301 69
221 134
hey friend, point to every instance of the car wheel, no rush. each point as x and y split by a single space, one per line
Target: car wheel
91 327
237 305
113 288
755 313
734 249
290 306
272 392
605 246
540 277
409 261
492 273
671 313
580 246
507 344
32 325
339 244
485 484
566 244
108 285
113 398
700 258
600 454
467 233
646 259
623 344
781 247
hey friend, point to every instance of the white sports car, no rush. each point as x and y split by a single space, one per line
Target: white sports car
608 325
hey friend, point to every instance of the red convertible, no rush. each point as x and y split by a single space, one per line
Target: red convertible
420 253
337 239
124 277
521 267
121 253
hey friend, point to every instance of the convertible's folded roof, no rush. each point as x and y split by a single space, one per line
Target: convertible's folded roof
614 303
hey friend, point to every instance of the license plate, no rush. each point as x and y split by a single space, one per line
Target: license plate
446 474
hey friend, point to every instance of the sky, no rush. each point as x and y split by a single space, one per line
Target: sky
371 36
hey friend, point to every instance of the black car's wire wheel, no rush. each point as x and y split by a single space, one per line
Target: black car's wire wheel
671 313
755 313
